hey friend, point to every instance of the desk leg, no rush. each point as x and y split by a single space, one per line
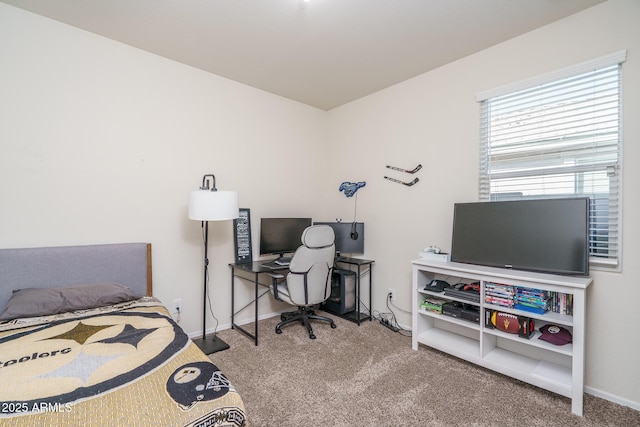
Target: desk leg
253 336
255 317
370 282
233 293
358 296
359 313
233 307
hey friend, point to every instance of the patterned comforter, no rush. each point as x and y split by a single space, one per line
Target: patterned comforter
123 365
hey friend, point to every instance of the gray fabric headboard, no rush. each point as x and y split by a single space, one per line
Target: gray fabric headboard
126 263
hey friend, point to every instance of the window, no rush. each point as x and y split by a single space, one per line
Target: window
559 135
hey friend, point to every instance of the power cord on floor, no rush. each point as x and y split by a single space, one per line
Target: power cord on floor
389 320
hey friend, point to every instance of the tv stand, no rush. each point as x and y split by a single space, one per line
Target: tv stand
559 369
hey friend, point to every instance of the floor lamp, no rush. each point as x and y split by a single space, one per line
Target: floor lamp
209 204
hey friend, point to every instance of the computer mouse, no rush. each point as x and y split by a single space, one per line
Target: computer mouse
436 285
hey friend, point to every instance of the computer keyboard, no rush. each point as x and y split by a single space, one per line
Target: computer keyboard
278 263
272 265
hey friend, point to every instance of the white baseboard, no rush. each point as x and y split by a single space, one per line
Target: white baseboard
612 398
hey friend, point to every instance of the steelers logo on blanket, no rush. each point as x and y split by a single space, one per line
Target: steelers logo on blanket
71 360
196 382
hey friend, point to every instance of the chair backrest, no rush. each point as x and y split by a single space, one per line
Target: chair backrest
312 264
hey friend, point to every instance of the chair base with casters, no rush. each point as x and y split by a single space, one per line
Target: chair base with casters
302 315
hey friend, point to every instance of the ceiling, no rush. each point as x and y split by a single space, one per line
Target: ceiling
323 53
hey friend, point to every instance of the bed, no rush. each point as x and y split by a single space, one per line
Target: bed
84 343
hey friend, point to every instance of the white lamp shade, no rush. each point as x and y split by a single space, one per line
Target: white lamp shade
207 205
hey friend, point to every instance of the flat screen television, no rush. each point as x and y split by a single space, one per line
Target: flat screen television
279 236
545 235
349 236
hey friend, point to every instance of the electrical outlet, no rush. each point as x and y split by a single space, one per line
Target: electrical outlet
177 306
392 292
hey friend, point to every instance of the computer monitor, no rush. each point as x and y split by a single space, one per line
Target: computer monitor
349 236
279 236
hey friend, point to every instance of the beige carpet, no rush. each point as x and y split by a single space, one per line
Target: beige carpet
369 376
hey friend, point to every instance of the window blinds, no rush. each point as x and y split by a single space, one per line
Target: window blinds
559 138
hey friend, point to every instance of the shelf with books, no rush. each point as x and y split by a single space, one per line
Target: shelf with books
561 303
525 356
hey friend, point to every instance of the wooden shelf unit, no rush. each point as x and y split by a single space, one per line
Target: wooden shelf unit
559 369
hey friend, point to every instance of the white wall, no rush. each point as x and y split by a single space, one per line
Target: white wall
100 142
433 119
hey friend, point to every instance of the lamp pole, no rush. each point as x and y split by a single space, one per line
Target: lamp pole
209 204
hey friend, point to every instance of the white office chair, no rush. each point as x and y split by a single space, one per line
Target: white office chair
308 282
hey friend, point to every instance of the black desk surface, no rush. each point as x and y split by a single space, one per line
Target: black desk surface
257 267
354 261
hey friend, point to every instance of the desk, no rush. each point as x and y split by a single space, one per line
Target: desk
254 269
356 315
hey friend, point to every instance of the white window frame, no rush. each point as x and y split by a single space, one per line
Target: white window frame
534 177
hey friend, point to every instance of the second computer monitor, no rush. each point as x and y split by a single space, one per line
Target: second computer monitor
349 236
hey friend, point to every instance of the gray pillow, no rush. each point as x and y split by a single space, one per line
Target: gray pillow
31 302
